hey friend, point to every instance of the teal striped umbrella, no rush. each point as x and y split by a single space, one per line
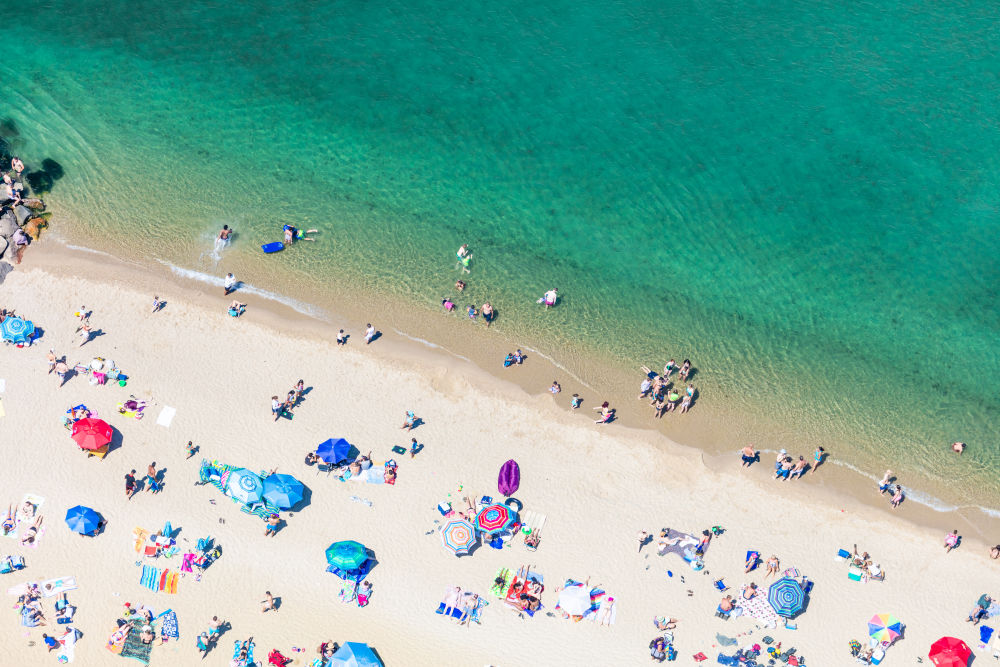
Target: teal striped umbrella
347 554
16 329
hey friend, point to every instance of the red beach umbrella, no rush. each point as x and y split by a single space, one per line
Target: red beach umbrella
91 433
950 652
495 518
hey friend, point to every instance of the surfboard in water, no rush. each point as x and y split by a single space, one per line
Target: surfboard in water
273 247
509 479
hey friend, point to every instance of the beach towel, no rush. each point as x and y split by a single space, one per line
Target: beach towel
759 608
141 535
994 610
985 635
171 583
166 416
604 605
373 475
28 618
150 578
476 615
186 563
134 648
725 641
169 627
57 586
501 582
116 642
68 651
675 543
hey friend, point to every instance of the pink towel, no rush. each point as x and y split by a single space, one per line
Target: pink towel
186 563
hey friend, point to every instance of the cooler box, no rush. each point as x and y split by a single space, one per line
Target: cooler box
854 574
877 656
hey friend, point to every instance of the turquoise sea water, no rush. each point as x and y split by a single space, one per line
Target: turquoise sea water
799 196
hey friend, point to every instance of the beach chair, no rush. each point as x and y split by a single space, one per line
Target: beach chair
752 565
100 452
721 586
721 613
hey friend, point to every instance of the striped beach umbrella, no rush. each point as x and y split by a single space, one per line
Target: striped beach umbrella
884 628
16 329
495 518
91 433
786 596
458 536
346 554
245 485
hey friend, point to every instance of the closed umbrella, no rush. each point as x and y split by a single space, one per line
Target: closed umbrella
509 478
950 652
787 597
16 329
575 600
495 519
885 628
458 536
355 654
246 486
283 491
91 433
333 451
347 554
82 519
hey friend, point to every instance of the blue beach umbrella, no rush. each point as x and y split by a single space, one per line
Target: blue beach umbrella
16 329
82 519
283 491
346 554
333 451
355 654
787 597
245 485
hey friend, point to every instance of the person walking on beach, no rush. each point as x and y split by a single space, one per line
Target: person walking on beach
749 455
51 358
130 485
685 369
272 525
897 497
369 333
203 644
190 449
276 407
818 456
153 485
487 312
643 538
229 284
156 303
341 338
81 318
84 333
951 541
61 370
300 389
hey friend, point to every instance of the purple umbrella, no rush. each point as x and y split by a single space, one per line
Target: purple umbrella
510 478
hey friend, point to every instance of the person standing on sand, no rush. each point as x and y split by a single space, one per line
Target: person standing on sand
487 312
61 370
643 538
369 333
81 318
818 456
51 358
229 284
84 334
341 338
897 497
190 449
272 525
130 485
153 486
749 455
156 303
275 407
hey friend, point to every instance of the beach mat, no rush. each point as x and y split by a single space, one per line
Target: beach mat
56 586
166 416
150 578
134 648
68 651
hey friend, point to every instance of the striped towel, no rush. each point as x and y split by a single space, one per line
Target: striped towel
172 583
150 577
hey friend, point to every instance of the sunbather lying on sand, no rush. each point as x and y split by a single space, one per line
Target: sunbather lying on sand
32 532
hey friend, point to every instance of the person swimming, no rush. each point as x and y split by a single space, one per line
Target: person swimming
294 234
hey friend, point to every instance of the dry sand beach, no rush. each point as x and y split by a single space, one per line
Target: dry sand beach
597 485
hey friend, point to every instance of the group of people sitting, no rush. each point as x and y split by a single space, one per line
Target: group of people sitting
664 395
12 187
785 467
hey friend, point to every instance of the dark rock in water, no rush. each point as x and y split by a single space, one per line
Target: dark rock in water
53 169
39 181
34 203
8 128
3 249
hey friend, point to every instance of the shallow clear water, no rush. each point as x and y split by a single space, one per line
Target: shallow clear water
800 197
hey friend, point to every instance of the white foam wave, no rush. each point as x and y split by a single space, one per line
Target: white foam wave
559 366
299 306
427 343
81 248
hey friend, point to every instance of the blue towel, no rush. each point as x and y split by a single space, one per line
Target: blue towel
985 633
